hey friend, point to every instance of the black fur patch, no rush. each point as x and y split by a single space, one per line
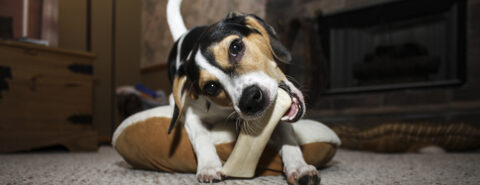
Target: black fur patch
187 46
174 119
172 68
190 40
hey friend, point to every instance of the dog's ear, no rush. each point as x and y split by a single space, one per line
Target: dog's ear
179 96
279 51
183 88
234 14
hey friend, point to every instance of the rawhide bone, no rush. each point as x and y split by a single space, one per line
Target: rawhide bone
249 146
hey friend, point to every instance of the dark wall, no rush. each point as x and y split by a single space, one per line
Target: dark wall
9 8
457 103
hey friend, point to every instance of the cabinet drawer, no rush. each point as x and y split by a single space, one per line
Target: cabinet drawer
46 94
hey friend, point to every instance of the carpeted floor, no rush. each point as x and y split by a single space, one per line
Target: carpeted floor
348 167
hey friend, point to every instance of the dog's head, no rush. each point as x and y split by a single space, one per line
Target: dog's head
234 63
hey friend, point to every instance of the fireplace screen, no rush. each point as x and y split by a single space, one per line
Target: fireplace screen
404 44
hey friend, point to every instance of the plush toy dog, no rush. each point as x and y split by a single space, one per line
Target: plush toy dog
142 141
223 74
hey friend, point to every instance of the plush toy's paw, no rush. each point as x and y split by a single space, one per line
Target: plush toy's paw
303 175
210 174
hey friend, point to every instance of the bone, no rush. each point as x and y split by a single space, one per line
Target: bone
244 158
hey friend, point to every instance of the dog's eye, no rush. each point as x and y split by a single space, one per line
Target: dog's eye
212 88
236 47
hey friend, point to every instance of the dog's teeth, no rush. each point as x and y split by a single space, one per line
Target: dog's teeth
287 118
295 99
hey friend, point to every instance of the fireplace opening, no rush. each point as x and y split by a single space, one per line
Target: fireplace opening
401 44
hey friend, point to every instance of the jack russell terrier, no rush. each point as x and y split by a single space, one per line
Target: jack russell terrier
228 71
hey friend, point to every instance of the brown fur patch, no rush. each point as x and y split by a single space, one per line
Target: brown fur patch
205 77
258 57
259 53
253 23
220 51
178 90
222 98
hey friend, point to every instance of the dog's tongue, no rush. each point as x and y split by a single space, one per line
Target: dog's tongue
292 111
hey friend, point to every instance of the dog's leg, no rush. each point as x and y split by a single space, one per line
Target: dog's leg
209 165
296 170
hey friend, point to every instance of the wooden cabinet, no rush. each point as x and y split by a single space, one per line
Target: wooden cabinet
45 98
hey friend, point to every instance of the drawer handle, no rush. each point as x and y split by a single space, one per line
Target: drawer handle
81 68
5 73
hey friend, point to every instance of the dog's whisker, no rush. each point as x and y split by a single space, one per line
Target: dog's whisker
252 127
238 124
231 116
257 126
242 127
246 127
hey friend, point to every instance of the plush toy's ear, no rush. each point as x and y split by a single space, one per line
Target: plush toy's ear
279 51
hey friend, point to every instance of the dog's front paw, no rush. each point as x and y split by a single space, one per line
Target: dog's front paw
302 175
210 174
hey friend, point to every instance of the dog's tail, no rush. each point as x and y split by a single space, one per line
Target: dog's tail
175 20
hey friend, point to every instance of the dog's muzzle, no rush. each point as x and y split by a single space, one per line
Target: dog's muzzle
254 101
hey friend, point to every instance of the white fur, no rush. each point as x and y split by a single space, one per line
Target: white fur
235 86
268 85
293 163
171 100
224 133
179 48
198 122
174 19
224 79
208 162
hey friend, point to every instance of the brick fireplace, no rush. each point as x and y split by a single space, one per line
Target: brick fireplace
365 62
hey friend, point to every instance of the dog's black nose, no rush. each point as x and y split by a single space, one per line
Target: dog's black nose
252 100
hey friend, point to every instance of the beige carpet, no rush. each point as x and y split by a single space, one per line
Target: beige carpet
348 167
